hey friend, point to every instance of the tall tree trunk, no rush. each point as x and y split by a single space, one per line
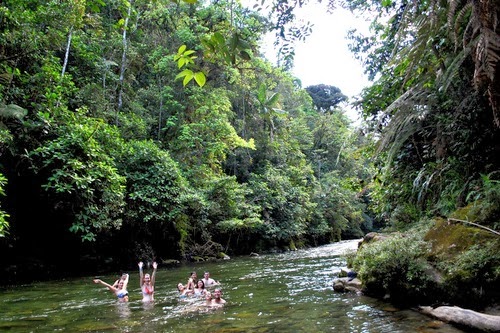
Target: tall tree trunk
161 111
66 54
124 63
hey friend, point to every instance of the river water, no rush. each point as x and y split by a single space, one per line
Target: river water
289 292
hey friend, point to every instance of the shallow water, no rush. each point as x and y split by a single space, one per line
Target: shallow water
289 292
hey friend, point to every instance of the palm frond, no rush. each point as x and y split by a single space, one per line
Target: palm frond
12 111
411 107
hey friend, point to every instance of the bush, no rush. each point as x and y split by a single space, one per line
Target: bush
395 266
473 276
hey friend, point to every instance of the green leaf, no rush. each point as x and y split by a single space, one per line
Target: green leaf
183 73
181 62
273 99
386 3
181 50
219 38
200 78
261 93
245 55
188 77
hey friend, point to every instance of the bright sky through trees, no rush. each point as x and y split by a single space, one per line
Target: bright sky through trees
324 58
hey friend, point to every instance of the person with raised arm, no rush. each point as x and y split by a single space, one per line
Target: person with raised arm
183 291
192 281
122 278
120 290
147 282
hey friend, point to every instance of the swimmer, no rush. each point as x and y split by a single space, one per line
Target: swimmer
208 281
122 278
208 299
200 290
120 291
217 297
147 283
183 291
191 284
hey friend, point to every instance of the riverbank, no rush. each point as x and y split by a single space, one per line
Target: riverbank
437 263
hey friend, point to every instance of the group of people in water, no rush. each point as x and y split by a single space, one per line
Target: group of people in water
193 288
199 288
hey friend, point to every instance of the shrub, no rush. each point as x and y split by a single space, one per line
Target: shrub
395 266
473 276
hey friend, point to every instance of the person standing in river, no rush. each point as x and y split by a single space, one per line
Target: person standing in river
147 282
208 281
120 291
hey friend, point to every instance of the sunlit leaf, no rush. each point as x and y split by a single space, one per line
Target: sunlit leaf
181 62
189 76
183 73
200 78
182 48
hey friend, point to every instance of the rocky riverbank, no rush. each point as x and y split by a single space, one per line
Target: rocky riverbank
438 264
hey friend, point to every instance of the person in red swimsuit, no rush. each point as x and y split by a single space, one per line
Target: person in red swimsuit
147 283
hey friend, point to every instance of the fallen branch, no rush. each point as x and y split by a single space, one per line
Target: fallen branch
464 317
475 224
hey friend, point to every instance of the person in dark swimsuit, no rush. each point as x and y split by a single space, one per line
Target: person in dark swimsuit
147 283
120 291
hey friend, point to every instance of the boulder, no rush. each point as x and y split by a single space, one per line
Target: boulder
170 262
223 256
347 284
371 237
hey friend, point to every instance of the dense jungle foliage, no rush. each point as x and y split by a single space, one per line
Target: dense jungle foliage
156 129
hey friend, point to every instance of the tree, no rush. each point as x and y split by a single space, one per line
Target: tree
325 97
436 125
268 105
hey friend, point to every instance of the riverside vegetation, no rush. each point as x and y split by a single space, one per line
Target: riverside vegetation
141 130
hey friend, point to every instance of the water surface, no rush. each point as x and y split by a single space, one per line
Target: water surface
290 292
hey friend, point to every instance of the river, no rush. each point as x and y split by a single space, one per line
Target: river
288 292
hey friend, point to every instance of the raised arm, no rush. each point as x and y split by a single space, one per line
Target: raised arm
110 287
155 266
141 274
125 282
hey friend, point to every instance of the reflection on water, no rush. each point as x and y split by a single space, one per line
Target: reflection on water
289 292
